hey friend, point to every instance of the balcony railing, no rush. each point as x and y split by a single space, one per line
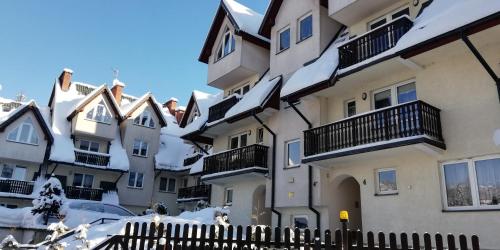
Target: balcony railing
200 191
16 187
91 158
218 111
193 159
241 158
374 42
415 118
80 193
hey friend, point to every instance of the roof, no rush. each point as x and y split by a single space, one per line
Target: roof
20 111
270 16
103 89
148 97
245 21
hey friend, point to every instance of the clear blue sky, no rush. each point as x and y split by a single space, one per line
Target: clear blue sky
154 43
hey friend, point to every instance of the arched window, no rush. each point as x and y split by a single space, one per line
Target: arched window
226 45
25 133
99 113
145 119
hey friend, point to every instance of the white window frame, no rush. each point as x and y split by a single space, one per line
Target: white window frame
226 191
287 143
471 166
94 113
32 132
84 176
278 48
168 184
239 139
222 44
257 139
299 21
141 144
377 181
394 92
90 142
15 167
138 119
299 216
240 89
346 107
387 17
135 180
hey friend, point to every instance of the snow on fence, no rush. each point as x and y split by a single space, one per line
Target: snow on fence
156 236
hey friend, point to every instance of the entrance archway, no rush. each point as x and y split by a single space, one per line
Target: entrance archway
347 196
260 214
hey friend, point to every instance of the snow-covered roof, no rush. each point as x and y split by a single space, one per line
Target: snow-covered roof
172 152
42 115
204 102
127 109
247 19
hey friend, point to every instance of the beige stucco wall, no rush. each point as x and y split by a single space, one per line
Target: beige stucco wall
80 125
168 198
69 171
221 143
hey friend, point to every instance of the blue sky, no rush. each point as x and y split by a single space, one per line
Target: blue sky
154 43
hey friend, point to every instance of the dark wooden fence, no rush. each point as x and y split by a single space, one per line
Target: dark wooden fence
154 236
16 187
236 159
402 121
218 111
83 193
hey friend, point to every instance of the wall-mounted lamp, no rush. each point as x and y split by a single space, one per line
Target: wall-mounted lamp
364 96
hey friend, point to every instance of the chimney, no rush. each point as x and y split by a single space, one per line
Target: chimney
171 104
117 90
65 79
179 113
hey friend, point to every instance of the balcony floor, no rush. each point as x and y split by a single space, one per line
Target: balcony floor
235 176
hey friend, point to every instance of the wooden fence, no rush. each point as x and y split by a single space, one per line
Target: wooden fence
174 237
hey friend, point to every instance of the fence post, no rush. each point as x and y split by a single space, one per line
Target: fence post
344 219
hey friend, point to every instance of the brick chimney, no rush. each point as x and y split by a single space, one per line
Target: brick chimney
171 104
117 90
65 79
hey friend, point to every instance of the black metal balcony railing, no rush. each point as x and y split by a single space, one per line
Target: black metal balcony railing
236 159
192 159
16 187
200 191
218 111
402 121
374 42
81 193
90 158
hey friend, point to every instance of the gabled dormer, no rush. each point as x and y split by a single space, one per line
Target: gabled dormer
144 115
233 49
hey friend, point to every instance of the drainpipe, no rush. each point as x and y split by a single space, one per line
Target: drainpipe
200 147
309 170
273 166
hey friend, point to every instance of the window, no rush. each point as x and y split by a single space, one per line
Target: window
135 179
350 108
300 222
229 196
305 27
238 141
400 13
377 23
145 119
284 39
386 181
241 90
140 148
473 183
389 17
10 171
167 185
89 146
260 136
293 153
226 45
25 133
396 94
99 113
83 180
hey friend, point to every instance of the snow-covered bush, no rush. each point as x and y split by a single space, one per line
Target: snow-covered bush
49 200
57 230
9 243
200 205
161 208
81 234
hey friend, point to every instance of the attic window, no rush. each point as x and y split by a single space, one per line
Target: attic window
24 133
99 113
145 119
226 45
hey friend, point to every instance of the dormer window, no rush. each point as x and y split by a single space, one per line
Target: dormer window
99 113
145 119
25 133
226 45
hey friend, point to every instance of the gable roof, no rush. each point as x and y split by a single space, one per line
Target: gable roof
16 114
103 89
270 16
191 105
148 97
246 23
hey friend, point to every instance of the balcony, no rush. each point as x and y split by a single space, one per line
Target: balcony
80 193
192 159
91 158
249 159
405 124
16 187
218 111
200 192
374 42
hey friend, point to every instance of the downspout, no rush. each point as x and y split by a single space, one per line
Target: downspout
200 147
273 167
309 170
483 62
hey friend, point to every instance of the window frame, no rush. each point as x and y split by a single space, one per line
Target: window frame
14 169
258 138
239 135
241 89
90 143
148 121
141 144
32 132
394 92
287 157
302 217
226 191
222 44
387 16
94 113
377 182
84 176
168 180
346 108
282 30
474 189
136 174
299 27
